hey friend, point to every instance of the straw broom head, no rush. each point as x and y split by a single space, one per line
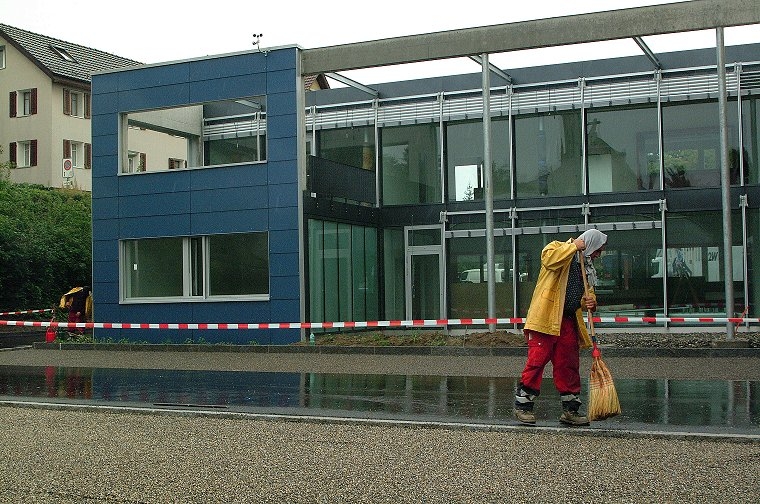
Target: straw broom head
602 397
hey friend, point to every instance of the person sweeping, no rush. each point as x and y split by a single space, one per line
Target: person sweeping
554 327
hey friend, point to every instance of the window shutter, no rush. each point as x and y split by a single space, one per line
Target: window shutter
12 104
34 153
66 102
67 148
87 105
34 102
87 156
143 162
12 152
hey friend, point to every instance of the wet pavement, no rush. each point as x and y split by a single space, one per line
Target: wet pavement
695 404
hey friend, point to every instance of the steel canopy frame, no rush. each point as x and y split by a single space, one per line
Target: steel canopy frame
565 30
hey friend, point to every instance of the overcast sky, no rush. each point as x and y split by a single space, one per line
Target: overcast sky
153 31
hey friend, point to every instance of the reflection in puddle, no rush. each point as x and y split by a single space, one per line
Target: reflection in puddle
707 403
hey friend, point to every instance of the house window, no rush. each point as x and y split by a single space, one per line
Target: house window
2 57
23 154
23 103
231 266
206 134
177 163
80 153
76 103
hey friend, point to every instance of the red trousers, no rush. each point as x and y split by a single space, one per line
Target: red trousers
562 351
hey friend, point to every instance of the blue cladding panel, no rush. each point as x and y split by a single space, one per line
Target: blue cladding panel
106 186
237 176
221 89
286 287
228 66
105 229
283 265
283 195
282 103
281 60
107 271
174 203
281 126
150 183
141 99
105 83
105 208
105 125
106 103
230 222
284 311
235 198
283 218
147 227
282 149
283 242
107 142
155 77
283 81
283 172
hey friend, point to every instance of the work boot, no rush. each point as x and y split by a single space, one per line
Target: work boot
570 417
525 416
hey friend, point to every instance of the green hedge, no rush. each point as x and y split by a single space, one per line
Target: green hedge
45 244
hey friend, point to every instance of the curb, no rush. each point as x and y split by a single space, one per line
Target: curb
435 351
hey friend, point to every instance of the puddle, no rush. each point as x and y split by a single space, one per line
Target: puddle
703 405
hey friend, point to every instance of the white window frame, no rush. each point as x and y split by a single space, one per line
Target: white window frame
77 154
2 57
76 103
25 102
23 154
195 249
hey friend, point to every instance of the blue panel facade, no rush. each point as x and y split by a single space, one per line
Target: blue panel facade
200 201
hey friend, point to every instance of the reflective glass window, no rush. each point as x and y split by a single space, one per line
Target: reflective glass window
751 140
622 149
464 160
691 142
411 164
548 150
349 146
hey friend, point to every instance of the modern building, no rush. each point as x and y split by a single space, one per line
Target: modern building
269 204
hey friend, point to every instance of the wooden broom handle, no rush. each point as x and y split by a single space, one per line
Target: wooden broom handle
586 292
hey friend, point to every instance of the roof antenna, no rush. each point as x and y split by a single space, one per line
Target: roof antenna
256 40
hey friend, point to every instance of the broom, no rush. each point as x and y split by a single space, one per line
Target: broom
602 397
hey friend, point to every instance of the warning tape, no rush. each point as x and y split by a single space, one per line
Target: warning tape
368 324
25 311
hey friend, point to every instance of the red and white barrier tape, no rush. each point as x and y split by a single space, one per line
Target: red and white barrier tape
368 324
25 311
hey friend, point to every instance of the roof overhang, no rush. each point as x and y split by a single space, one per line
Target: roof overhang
677 17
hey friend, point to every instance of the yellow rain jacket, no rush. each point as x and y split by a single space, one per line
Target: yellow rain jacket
66 301
545 312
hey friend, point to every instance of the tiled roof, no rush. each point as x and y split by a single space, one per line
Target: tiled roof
87 60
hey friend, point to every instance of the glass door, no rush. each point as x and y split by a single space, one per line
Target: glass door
424 272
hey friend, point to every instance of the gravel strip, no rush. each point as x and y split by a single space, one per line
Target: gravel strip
52 456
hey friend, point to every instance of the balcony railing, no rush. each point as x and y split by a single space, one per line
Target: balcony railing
329 179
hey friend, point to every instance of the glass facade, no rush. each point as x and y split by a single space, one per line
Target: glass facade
343 272
622 164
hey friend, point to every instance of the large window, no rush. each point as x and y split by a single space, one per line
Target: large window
751 140
208 134
411 164
464 160
691 141
468 277
622 149
349 146
343 272
23 154
231 266
548 154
